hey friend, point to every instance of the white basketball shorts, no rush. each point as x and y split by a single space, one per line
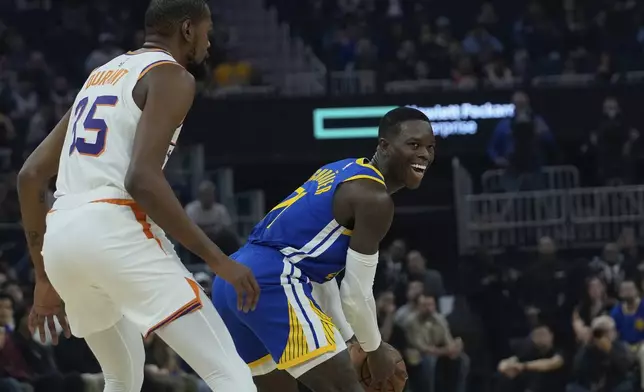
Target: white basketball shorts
107 261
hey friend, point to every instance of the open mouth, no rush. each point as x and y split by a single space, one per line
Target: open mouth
418 169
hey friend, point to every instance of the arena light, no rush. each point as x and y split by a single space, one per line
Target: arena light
447 120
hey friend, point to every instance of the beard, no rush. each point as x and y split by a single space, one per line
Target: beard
198 69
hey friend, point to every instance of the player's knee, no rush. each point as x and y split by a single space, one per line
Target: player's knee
231 378
130 382
333 375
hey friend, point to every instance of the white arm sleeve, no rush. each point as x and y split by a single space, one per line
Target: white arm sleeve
327 295
356 293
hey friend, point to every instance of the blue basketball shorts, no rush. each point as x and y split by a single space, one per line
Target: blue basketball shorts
287 328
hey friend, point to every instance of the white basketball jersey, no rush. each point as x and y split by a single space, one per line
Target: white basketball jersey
100 135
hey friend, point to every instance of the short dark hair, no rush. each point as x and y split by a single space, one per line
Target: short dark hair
390 123
630 280
163 16
4 296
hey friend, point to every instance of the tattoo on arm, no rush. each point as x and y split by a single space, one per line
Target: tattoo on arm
42 197
34 239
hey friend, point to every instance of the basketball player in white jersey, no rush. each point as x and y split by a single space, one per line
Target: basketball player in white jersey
113 267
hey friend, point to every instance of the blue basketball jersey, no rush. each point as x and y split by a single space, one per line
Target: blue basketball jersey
302 227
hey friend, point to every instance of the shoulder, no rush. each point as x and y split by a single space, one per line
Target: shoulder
367 193
168 74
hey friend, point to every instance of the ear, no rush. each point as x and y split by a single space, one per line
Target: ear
383 145
187 30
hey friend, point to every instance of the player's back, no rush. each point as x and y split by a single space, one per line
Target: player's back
102 125
303 228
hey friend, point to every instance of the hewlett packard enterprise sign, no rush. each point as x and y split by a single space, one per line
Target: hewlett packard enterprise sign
447 120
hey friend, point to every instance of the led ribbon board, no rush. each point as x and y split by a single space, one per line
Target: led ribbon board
456 119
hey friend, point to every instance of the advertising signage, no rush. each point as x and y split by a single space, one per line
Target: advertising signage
447 120
321 129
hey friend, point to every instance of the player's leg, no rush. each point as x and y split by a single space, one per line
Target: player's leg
252 351
335 374
277 380
202 340
119 350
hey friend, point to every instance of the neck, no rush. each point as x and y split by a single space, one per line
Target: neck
154 41
379 163
631 304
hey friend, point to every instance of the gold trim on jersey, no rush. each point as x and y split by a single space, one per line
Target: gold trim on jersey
364 162
260 361
297 351
367 177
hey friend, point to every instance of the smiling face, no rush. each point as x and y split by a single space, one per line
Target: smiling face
410 152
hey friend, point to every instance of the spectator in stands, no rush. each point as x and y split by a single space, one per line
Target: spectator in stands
13 289
610 267
479 41
106 51
7 308
233 72
40 125
206 212
386 308
428 334
416 269
415 289
390 266
498 74
629 321
606 153
24 101
594 303
629 248
520 144
546 271
62 96
537 365
14 371
604 363
7 141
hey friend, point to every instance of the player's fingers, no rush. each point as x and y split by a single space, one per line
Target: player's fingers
248 295
32 322
52 329
64 324
240 297
254 290
40 324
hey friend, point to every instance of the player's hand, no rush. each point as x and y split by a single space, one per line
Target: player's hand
244 282
382 366
47 305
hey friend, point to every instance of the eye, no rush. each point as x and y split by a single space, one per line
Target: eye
414 145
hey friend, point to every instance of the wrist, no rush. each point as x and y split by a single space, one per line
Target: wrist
371 347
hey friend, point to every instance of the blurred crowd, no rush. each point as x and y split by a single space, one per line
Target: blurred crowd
517 322
611 153
473 43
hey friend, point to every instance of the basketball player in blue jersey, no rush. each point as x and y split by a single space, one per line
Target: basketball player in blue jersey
333 222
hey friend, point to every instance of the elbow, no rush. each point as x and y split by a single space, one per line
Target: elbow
29 174
136 183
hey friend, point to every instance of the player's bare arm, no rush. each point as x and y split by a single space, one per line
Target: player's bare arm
367 205
33 180
165 95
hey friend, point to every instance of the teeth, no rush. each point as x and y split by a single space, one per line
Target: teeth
419 167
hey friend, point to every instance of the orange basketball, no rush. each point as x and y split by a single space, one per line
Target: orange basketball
395 384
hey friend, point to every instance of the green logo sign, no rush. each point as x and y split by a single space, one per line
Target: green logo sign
321 132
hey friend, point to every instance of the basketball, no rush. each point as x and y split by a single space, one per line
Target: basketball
395 384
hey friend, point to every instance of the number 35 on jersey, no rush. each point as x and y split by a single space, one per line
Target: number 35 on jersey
89 121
